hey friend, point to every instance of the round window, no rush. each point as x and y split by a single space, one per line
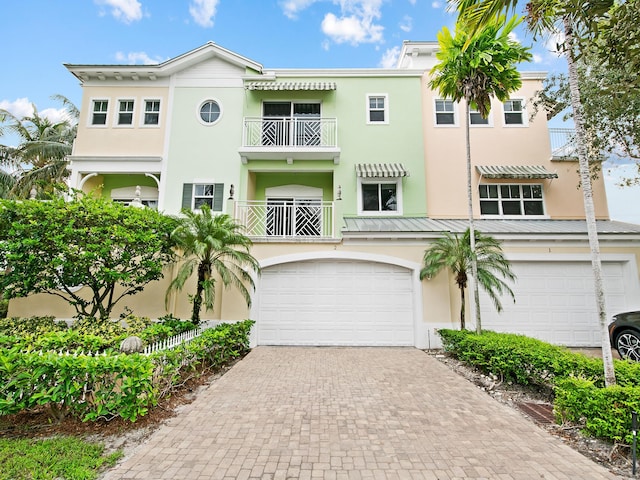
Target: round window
210 111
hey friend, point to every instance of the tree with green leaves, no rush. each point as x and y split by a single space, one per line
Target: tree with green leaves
475 67
610 111
454 253
576 20
40 158
214 247
54 247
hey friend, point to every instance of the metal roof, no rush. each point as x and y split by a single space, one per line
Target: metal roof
358 226
515 171
291 86
381 170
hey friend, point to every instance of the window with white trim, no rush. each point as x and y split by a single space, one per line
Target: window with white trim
511 199
445 112
514 113
380 197
151 112
196 194
377 109
125 112
209 112
476 119
99 112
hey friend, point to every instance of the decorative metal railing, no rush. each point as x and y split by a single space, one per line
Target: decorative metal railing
287 218
563 143
290 132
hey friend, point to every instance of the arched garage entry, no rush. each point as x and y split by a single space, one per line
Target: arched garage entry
337 299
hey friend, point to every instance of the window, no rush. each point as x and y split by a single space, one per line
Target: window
291 124
151 112
210 112
476 119
504 199
379 197
125 112
196 194
514 112
99 115
445 112
377 109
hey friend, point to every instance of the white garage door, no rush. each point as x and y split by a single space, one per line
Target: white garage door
555 302
335 302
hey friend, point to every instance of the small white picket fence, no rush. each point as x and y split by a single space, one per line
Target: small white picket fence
176 340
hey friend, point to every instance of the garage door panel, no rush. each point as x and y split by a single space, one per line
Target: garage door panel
555 302
335 302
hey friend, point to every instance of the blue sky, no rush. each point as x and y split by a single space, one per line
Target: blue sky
39 36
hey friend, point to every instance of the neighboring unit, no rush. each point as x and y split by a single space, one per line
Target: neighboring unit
342 178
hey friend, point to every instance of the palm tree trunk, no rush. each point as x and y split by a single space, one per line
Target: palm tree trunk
462 309
197 299
472 234
589 209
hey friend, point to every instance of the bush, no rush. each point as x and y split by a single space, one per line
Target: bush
32 326
90 387
577 380
603 412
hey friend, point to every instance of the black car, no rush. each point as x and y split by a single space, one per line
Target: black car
624 334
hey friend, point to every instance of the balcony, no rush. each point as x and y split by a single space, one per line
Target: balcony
273 138
287 219
563 144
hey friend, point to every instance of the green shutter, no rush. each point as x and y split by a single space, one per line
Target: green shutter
218 196
187 195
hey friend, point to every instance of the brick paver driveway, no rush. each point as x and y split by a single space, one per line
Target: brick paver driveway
350 413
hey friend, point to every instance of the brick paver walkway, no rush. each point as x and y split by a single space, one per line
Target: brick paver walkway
350 413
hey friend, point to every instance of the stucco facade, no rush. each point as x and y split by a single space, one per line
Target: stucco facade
342 178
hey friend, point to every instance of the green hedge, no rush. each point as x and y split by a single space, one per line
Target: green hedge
108 386
603 412
577 380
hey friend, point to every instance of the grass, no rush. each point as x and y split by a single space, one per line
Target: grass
66 458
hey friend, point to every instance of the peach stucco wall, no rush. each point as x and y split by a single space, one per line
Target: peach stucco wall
445 160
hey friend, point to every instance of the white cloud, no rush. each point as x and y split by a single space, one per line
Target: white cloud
514 37
292 7
356 22
203 11
436 4
407 24
126 11
390 58
351 29
555 42
537 58
22 107
412 2
133 58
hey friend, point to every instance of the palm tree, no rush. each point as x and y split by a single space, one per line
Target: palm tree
476 67
456 254
571 18
212 244
40 158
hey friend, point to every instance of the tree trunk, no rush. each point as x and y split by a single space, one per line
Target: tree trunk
472 234
589 209
197 299
462 309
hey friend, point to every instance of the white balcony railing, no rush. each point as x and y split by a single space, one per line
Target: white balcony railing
563 143
287 218
274 132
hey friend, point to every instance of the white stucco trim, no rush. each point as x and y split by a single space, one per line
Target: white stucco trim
423 337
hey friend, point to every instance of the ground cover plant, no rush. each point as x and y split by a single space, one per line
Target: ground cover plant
577 380
55 458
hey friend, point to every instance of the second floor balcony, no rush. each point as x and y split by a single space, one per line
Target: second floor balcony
291 138
563 144
287 219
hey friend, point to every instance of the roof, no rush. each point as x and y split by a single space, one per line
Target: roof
515 171
428 227
291 86
381 170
